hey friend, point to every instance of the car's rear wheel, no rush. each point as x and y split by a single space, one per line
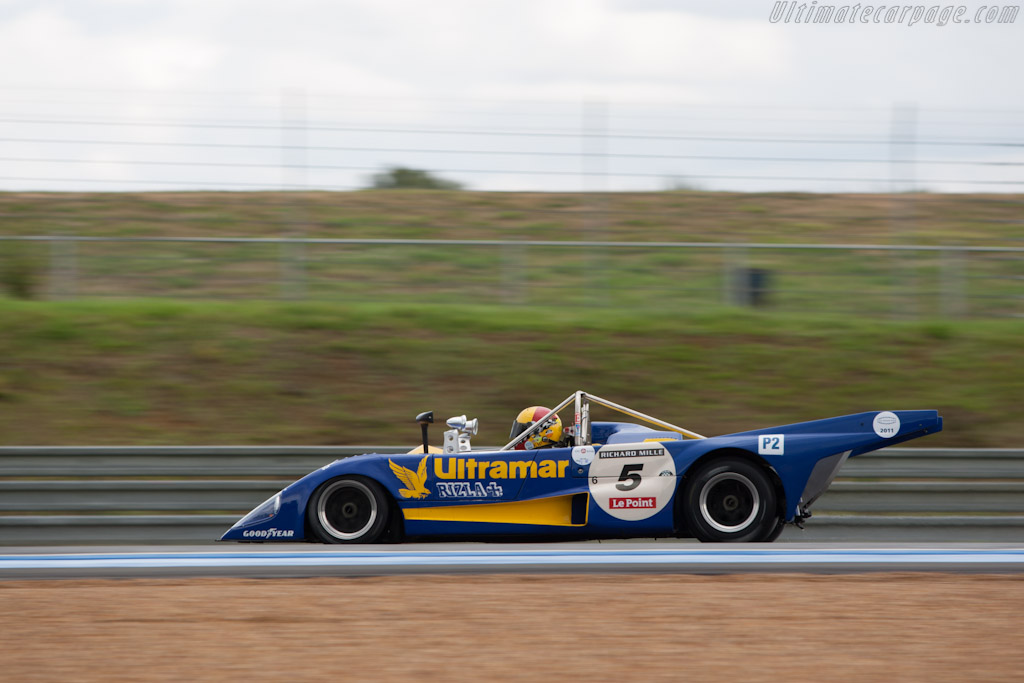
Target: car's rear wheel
348 510
730 499
780 526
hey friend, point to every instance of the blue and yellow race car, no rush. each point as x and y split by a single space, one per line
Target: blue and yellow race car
580 479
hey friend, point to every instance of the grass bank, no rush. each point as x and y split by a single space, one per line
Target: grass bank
861 282
783 217
167 372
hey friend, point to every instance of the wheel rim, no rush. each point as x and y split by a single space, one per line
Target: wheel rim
347 509
729 502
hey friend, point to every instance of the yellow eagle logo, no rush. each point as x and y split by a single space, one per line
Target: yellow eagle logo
415 482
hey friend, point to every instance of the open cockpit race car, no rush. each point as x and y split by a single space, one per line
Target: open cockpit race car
589 480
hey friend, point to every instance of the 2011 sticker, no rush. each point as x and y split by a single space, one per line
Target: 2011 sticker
886 424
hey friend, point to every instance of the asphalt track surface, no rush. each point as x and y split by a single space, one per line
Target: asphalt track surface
302 560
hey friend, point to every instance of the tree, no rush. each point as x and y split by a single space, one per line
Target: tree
399 177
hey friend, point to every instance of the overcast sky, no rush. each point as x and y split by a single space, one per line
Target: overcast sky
687 68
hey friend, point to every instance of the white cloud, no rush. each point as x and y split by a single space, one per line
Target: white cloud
49 48
671 46
533 63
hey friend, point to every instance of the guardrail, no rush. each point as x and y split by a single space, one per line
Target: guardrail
176 494
174 461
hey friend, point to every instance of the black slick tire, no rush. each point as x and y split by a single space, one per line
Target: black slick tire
730 499
348 509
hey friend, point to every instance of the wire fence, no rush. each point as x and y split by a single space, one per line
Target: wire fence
115 140
906 281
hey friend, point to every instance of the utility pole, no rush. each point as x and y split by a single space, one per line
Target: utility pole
293 174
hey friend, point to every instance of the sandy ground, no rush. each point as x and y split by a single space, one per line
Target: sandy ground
744 628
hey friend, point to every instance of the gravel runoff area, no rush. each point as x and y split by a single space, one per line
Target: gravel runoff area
599 627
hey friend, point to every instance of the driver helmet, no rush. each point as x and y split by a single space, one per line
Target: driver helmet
548 435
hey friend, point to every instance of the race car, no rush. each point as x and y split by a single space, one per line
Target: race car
645 478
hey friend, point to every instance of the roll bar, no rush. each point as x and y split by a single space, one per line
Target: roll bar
582 402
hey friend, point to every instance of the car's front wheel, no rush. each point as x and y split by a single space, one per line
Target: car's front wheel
730 499
348 510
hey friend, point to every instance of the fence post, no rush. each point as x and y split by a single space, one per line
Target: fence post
514 278
734 262
954 299
594 167
902 138
63 268
292 256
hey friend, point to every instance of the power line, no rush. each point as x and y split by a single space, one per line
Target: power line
177 183
494 152
320 94
512 133
619 116
505 112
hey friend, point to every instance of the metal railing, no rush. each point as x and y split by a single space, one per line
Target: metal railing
134 495
906 280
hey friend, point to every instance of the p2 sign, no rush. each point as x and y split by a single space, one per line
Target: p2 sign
771 444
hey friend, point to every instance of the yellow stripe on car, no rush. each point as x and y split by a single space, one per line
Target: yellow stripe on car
556 511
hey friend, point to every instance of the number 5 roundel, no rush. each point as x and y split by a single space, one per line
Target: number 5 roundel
632 481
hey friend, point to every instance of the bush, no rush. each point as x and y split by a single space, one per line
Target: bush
410 178
18 271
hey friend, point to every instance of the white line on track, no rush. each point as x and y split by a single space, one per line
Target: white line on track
318 561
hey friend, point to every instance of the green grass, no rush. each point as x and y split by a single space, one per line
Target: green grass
170 372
